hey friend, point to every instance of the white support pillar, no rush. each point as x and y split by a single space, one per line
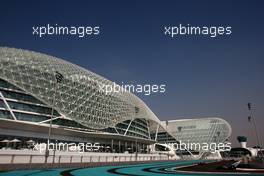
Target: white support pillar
8 107
116 130
148 128
128 127
157 130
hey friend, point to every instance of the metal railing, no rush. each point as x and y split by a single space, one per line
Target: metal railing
34 158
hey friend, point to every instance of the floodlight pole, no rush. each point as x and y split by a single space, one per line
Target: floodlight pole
167 138
50 125
59 78
255 126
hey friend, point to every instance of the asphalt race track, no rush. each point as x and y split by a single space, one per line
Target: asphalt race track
154 169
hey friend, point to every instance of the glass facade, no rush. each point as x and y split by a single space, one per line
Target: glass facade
29 89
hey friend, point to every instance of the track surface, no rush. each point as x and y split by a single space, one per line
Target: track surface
154 169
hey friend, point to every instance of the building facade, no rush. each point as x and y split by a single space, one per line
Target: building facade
200 136
37 89
40 93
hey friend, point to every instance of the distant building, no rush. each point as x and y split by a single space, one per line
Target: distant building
199 132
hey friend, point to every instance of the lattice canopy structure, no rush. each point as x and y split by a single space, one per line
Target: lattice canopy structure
76 96
199 131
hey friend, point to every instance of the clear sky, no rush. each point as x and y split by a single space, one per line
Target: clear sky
204 76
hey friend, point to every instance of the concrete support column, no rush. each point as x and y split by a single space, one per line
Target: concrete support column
112 145
125 146
119 146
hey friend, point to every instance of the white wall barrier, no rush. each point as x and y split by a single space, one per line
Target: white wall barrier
16 157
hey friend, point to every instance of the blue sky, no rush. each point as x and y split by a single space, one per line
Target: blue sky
204 76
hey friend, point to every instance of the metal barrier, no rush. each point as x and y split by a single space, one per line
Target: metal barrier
38 158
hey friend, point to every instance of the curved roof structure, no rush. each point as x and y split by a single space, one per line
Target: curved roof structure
203 130
77 96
